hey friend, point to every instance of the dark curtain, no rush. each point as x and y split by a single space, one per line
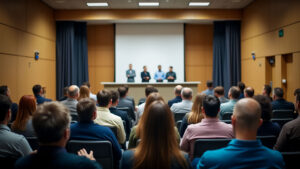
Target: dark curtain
71 55
226 54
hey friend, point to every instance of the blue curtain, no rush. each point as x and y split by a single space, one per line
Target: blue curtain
71 55
226 54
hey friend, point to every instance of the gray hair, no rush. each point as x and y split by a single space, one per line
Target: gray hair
73 91
187 93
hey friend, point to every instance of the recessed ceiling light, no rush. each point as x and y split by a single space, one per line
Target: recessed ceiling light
97 4
148 3
199 3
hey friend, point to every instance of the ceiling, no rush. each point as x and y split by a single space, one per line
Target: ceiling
133 4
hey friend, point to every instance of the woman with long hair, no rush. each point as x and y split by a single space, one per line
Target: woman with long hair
84 92
23 124
158 147
195 116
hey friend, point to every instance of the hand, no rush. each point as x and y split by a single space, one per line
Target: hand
127 75
147 78
83 153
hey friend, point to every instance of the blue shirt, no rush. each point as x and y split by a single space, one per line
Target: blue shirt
281 104
208 92
269 128
242 154
227 107
159 75
41 100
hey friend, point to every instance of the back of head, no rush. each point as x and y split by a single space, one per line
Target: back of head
247 113
196 115
50 122
209 83
66 91
278 92
150 89
122 91
266 107
5 105
268 89
103 98
211 106
87 84
84 92
178 89
187 93
3 90
114 96
249 91
36 89
85 109
235 92
242 86
219 90
73 91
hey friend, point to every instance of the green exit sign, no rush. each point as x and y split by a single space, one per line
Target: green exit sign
280 33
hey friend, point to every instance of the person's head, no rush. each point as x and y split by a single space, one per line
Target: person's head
177 90
196 115
104 98
130 66
297 103
171 68
73 92
267 90
211 106
278 93
114 97
84 92
219 91
159 67
296 92
27 107
51 123
4 90
187 93
209 84
150 89
5 113
266 107
122 91
246 117
242 86
234 92
86 109
65 91
37 90
249 92
158 139
87 84
145 68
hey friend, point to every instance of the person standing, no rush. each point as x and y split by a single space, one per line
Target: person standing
171 76
159 76
145 75
130 74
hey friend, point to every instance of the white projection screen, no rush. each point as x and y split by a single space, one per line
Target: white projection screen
149 44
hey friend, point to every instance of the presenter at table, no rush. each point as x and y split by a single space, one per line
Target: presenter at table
145 75
171 76
130 74
159 76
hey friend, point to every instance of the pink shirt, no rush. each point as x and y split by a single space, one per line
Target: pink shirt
207 128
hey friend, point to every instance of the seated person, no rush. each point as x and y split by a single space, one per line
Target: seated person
4 90
158 148
86 129
51 123
71 102
267 90
219 93
148 90
38 92
241 86
249 92
177 99
125 102
233 94
279 103
210 88
186 104
209 127
245 151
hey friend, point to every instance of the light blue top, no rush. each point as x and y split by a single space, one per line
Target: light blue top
159 75
208 92
227 107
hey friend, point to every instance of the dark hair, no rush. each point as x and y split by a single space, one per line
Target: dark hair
186 93
265 105
150 89
36 89
103 98
178 91
242 86
65 90
126 87
268 89
5 105
171 67
87 84
122 91
114 96
297 94
219 90
249 91
298 97
278 92
209 83
211 105
235 92
85 109
3 90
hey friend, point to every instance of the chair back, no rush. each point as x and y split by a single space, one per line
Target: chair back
291 159
114 130
226 121
281 121
178 116
226 116
74 117
202 145
268 141
178 124
33 142
283 114
7 162
129 112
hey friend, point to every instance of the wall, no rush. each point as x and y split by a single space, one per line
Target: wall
27 26
261 22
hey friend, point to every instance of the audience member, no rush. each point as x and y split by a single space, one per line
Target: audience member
51 123
249 92
195 116
186 104
71 102
37 91
210 88
92 96
12 145
65 91
148 90
4 90
219 93
279 103
233 94
289 137
106 118
23 123
128 97
209 127
245 151
84 92
267 128
86 129
124 102
267 91
241 86
159 76
177 99
158 148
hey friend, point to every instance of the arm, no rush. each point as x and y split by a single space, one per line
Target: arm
121 131
175 76
133 73
149 76
155 76
282 140
185 145
183 125
23 147
132 138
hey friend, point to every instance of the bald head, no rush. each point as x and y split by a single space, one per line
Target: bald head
73 92
177 90
187 93
249 92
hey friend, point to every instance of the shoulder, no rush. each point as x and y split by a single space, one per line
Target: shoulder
127 159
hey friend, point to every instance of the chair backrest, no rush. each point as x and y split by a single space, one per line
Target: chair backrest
226 116
33 142
178 124
283 113
102 150
178 116
281 121
268 141
7 162
74 117
226 121
291 159
202 145
114 130
129 112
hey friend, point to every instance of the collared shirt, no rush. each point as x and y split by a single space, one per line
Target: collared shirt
71 105
242 154
184 106
227 107
12 144
223 99
93 96
159 75
171 74
40 99
207 128
208 92
177 99
105 118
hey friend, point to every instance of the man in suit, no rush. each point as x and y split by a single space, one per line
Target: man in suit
186 104
177 98
279 102
51 123
171 76
145 75
124 102
233 94
71 102
4 90
159 76
130 74
38 91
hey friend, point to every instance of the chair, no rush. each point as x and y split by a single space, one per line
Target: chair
279 114
102 151
178 124
178 116
281 121
74 117
130 113
33 142
202 145
268 141
226 116
291 159
114 130
226 121
7 162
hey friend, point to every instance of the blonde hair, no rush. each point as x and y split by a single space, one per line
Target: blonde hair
195 116
84 92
